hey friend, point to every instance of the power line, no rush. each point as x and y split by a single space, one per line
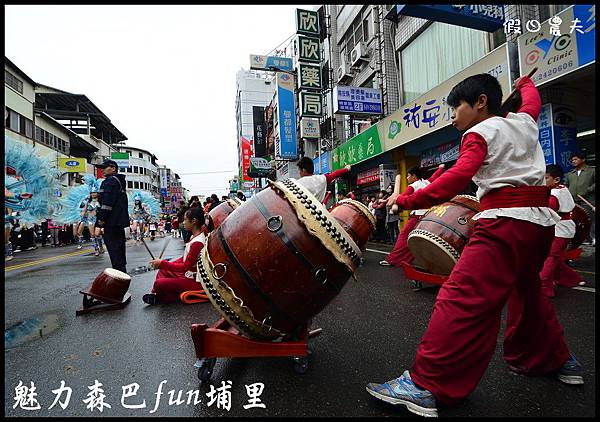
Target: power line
280 44
208 172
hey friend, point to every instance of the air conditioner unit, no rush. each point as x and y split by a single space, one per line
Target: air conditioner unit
343 72
358 53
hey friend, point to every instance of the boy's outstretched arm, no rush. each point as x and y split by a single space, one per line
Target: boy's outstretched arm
531 101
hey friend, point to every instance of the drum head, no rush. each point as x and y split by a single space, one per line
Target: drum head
432 252
583 224
116 274
363 208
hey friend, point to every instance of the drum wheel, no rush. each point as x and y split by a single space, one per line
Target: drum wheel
205 368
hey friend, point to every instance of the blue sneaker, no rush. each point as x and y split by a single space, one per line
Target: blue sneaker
404 391
571 372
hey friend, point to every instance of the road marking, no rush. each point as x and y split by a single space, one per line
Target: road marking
45 260
376 251
585 289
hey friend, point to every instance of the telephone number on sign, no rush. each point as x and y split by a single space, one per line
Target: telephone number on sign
550 72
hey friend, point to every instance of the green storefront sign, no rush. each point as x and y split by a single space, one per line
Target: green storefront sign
360 148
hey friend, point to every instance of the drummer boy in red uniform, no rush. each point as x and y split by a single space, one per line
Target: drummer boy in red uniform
556 270
501 262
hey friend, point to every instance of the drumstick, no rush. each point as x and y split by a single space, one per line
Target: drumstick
327 197
584 200
514 91
148 249
164 247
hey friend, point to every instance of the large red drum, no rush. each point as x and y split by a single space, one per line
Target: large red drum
277 262
442 233
356 219
219 213
583 224
109 286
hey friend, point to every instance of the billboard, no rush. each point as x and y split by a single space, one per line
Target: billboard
72 165
484 17
272 63
287 146
356 100
258 121
561 45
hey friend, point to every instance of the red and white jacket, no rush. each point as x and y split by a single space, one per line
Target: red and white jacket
187 264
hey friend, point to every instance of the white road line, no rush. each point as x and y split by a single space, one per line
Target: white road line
585 289
376 251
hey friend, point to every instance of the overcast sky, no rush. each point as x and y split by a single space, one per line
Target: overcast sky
164 75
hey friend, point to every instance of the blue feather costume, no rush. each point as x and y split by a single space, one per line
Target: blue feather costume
35 175
150 204
71 203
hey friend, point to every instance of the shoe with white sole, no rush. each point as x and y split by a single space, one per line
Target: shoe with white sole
403 390
571 372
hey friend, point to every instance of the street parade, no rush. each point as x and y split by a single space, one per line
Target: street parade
391 213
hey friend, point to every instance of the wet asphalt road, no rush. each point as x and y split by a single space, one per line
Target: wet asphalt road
370 333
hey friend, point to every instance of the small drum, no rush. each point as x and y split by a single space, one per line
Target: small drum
219 213
440 236
275 266
583 224
356 219
109 286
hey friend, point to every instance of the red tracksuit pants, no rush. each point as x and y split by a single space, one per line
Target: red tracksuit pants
500 264
169 285
401 252
556 270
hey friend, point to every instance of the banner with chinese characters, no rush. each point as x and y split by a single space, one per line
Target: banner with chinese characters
246 154
309 128
440 154
356 100
309 76
258 121
307 22
321 163
484 17
286 145
387 176
276 63
73 165
560 45
309 49
311 104
368 176
430 112
558 134
360 148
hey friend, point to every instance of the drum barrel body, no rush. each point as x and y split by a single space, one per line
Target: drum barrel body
354 220
442 233
108 288
582 227
265 272
219 213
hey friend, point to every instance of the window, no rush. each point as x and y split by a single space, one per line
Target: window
130 184
12 81
136 185
128 169
140 155
359 31
135 169
39 134
28 128
14 121
421 72
129 152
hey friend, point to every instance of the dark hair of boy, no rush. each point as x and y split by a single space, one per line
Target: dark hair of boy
306 164
471 88
415 171
554 170
196 213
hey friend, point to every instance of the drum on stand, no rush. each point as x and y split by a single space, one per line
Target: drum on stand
275 266
219 213
356 219
583 225
442 233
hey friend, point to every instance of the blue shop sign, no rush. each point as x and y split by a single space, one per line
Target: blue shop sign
484 17
357 100
321 163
